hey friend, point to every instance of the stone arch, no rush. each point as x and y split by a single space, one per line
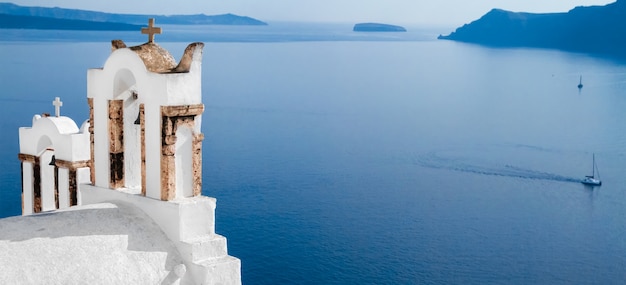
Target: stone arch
43 143
124 80
125 142
45 190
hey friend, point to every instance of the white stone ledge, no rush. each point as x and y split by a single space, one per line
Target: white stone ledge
204 248
182 219
225 270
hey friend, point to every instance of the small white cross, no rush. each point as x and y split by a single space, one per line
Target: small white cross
57 106
151 30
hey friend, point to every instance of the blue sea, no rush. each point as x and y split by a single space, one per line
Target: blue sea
376 158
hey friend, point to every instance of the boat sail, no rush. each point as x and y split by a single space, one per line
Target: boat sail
591 179
580 82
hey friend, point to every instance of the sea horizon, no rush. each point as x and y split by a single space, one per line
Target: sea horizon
342 158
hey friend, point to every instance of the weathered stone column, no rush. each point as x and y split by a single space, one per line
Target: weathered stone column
37 187
168 162
142 131
56 187
197 164
35 181
72 167
171 118
92 164
116 143
22 179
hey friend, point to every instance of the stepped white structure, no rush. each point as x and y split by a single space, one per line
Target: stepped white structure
119 200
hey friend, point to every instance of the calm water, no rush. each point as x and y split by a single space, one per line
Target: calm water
379 159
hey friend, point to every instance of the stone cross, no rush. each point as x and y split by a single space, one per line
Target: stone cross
57 106
151 30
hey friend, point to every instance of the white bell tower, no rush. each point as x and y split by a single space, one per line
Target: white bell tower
142 146
55 158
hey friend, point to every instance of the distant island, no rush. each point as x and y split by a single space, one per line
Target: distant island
377 27
592 29
21 17
44 23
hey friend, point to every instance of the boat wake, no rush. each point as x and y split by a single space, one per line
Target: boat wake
467 165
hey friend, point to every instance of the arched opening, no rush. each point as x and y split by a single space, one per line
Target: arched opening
125 141
132 143
43 144
124 81
48 185
46 194
183 162
44 184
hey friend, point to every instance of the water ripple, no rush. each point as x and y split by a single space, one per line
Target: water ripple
437 161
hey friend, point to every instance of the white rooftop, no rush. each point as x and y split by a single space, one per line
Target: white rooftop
94 244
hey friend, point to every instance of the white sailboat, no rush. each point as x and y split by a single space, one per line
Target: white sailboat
580 83
591 179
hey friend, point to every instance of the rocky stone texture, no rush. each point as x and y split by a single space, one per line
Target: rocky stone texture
116 147
34 160
73 186
156 58
185 62
197 164
142 123
92 166
172 118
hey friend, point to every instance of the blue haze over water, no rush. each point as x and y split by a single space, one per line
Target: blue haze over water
356 158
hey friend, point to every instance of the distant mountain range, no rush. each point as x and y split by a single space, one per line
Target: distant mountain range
593 29
15 17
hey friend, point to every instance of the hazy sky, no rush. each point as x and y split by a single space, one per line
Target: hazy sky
440 12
